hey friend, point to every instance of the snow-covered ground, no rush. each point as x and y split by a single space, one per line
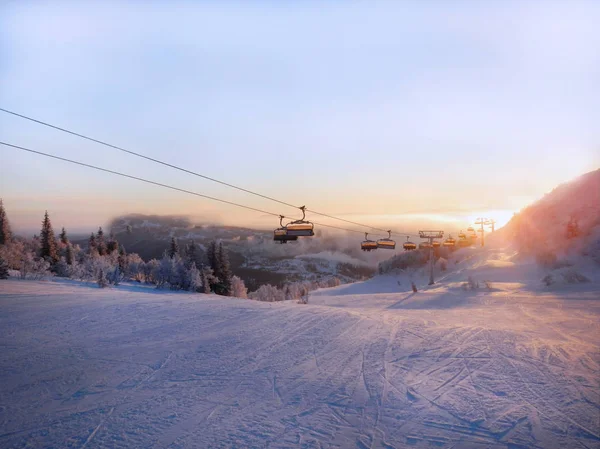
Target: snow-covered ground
365 365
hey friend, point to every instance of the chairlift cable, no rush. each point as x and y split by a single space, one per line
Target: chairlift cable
189 171
159 184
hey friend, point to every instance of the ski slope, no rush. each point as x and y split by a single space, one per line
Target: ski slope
365 365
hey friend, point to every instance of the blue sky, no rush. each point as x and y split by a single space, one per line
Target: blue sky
400 109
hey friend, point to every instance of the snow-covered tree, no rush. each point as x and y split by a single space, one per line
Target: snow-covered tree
62 269
3 269
212 256
238 288
173 248
208 279
101 279
192 254
5 232
13 251
92 244
122 259
115 276
48 248
112 245
63 237
150 269
224 273
100 243
134 267
163 273
195 279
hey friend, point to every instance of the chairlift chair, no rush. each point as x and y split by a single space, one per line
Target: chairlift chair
281 235
449 242
386 243
409 246
368 245
301 228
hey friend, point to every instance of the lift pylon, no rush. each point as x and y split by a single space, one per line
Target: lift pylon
431 236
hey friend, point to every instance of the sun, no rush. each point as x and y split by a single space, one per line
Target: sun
502 216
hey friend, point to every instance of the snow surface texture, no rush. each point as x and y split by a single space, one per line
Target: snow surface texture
512 364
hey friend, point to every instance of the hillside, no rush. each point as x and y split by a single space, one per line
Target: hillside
544 225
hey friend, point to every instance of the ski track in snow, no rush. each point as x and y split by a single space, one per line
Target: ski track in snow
90 368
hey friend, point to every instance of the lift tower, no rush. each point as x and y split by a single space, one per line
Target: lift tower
431 236
487 222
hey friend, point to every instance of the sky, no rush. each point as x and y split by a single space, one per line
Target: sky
399 113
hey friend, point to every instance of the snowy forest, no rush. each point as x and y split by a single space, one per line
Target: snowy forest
106 263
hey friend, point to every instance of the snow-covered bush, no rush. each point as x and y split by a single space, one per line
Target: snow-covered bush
114 276
471 284
62 269
33 268
150 268
564 276
101 279
134 267
331 282
304 298
268 293
238 288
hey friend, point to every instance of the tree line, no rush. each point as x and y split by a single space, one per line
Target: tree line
106 262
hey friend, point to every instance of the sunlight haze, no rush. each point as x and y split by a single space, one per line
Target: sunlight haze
391 113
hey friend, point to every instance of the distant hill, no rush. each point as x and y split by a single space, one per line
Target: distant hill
566 220
253 255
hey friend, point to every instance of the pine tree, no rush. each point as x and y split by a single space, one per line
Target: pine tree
112 244
48 241
93 244
192 254
63 237
100 243
212 257
122 259
208 279
3 269
224 286
5 234
174 248
129 229
69 256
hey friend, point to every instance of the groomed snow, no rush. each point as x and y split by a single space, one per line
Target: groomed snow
367 365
